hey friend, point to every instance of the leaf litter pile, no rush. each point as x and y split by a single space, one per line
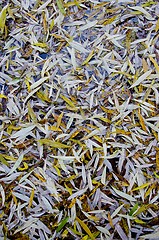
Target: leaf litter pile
79 119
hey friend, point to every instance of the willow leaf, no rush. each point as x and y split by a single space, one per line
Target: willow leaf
53 144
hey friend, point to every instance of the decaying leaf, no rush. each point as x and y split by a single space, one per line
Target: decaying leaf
79 119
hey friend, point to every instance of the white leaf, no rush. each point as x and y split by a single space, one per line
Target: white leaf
2 194
153 236
124 195
142 10
78 47
31 94
88 25
89 181
27 224
23 132
141 78
50 185
116 211
17 164
39 82
21 196
78 193
43 6
84 174
103 178
47 204
120 232
103 230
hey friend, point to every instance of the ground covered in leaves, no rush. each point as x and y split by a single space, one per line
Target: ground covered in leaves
79 119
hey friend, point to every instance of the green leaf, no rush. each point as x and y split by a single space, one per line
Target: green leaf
135 207
62 224
60 6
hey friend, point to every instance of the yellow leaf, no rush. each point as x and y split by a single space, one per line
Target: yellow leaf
3 15
142 186
10 12
69 4
108 21
3 96
59 120
31 198
155 134
96 182
70 178
44 97
52 143
9 157
23 168
39 177
40 44
85 228
72 203
31 113
124 223
145 65
106 120
128 39
147 193
52 24
57 170
88 58
100 5
148 3
85 237
107 110
156 175
98 139
11 128
30 15
125 74
55 129
27 84
142 209
157 158
157 26
110 220
154 63
14 198
1 214
44 22
68 189
139 221
90 217
75 134
68 101
2 160
64 234
121 131
57 36
142 122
